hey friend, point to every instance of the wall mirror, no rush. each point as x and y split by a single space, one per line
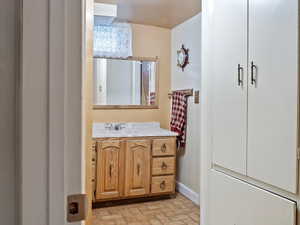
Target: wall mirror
125 83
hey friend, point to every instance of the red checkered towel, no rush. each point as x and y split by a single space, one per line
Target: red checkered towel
152 98
179 116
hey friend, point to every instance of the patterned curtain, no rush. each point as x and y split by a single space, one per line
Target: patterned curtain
113 40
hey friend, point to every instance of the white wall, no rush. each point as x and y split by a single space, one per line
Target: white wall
8 71
189 34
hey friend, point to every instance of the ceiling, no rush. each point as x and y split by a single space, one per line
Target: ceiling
162 13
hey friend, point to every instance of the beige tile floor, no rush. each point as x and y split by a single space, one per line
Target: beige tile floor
175 211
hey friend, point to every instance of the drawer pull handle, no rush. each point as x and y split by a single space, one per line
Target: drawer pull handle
163 185
164 166
93 160
164 148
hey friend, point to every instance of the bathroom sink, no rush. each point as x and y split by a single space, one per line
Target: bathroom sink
106 130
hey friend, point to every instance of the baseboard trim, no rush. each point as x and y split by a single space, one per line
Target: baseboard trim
187 192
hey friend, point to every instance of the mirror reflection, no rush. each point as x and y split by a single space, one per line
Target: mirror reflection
125 82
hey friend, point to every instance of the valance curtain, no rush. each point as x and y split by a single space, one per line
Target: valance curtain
113 40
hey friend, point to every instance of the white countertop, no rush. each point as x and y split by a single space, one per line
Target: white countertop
150 129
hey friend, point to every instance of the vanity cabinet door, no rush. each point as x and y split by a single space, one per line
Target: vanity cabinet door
137 172
108 170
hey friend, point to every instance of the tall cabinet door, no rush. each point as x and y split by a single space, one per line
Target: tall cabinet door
229 83
108 170
137 172
273 92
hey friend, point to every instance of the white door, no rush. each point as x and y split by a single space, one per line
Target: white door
233 202
52 128
273 94
229 90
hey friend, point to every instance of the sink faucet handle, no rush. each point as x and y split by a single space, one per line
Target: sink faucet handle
108 125
122 125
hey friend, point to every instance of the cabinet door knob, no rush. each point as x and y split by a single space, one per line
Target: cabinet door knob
163 185
164 148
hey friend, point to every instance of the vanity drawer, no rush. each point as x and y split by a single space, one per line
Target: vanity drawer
163 184
163 166
164 147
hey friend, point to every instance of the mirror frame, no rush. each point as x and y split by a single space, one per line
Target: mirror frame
155 106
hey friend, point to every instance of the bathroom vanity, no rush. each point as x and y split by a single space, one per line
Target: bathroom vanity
132 160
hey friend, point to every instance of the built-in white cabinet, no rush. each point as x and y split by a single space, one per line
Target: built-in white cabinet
229 67
254 86
234 202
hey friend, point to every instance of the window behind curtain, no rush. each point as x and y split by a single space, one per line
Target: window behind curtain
114 40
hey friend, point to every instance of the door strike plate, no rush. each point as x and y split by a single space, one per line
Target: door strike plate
77 207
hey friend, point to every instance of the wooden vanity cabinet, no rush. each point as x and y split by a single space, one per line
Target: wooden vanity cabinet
133 167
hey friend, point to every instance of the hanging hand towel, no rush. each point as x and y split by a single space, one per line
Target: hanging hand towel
179 117
152 98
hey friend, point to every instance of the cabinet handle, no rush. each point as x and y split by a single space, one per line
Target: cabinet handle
240 80
110 170
138 169
163 185
164 148
164 166
253 80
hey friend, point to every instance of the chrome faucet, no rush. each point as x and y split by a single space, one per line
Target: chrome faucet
116 126
119 126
